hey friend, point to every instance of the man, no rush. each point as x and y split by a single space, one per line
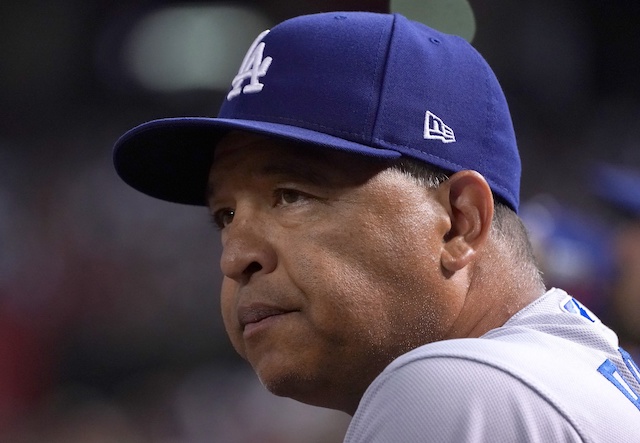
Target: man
364 175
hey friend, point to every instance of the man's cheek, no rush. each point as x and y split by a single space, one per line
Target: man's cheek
229 315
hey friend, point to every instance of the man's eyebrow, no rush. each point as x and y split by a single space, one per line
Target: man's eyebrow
301 170
209 192
306 170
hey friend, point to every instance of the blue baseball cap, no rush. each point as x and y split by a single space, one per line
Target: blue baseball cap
373 84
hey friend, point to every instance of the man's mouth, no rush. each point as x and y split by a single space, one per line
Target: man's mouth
256 313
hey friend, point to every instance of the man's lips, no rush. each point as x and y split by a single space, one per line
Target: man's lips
257 312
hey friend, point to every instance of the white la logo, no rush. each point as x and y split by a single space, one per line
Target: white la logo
253 67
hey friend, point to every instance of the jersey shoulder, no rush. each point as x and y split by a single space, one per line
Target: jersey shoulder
453 399
541 374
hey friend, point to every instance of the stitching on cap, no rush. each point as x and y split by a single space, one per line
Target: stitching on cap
383 67
271 119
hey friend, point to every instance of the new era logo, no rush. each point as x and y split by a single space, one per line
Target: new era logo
253 67
435 129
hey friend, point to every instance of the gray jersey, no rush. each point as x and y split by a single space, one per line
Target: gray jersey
552 373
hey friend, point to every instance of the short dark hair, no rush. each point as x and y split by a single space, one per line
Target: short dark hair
506 226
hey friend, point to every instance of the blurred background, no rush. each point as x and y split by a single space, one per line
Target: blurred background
109 322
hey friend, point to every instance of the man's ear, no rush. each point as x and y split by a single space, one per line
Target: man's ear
469 200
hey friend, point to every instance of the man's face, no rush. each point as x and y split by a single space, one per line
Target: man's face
331 265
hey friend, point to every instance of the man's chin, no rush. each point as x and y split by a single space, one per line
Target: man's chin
291 384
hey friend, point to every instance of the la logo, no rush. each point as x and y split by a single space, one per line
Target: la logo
253 67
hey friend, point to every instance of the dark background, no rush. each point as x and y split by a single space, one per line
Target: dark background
109 319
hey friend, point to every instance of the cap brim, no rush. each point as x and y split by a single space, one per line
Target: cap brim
170 158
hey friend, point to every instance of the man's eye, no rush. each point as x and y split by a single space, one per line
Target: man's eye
287 196
223 217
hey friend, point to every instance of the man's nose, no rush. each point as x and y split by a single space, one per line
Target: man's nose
247 249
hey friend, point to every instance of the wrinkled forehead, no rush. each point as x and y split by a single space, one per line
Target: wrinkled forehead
240 145
235 141
243 152
248 151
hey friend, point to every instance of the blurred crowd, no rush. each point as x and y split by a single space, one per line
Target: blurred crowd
595 255
109 322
